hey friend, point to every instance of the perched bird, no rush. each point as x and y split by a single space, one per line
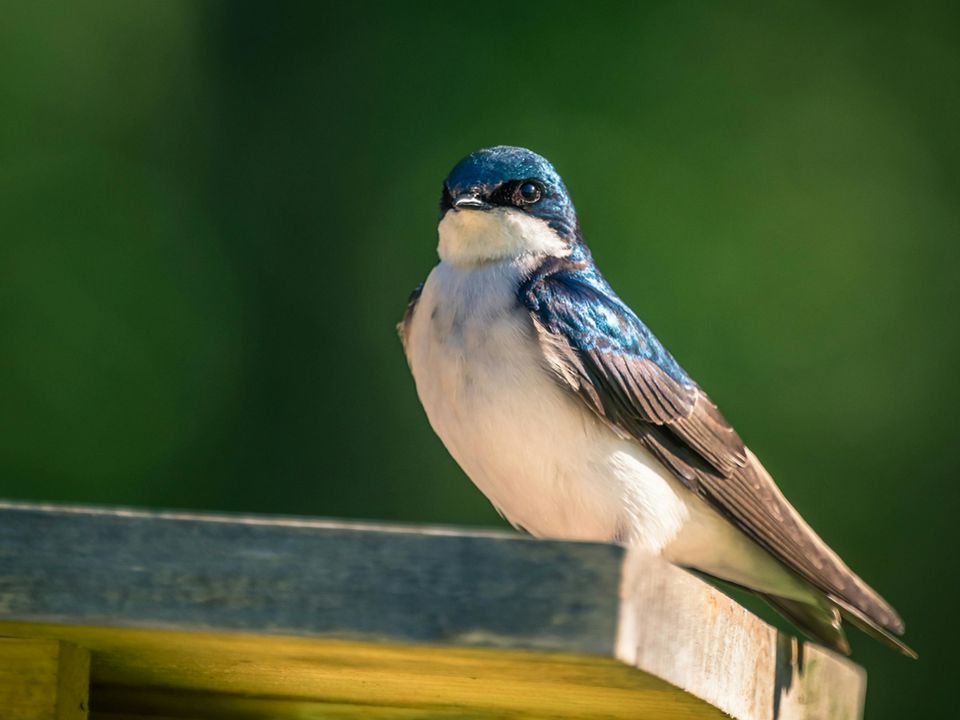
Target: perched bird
576 423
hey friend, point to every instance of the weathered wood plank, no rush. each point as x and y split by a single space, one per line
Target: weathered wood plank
176 674
43 680
395 618
307 577
676 627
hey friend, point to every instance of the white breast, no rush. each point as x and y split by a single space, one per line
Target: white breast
541 457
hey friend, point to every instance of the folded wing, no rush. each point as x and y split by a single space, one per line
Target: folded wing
600 350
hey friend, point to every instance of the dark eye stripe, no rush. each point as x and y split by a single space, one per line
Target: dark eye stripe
516 193
503 194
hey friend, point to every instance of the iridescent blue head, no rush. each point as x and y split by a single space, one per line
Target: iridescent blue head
510 177
505 201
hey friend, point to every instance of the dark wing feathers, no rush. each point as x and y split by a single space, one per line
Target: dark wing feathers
404 325
619 367
600 349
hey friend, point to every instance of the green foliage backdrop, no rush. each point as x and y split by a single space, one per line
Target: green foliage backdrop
211 215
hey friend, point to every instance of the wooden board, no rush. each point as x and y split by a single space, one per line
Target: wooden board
43 680
254 617
224 674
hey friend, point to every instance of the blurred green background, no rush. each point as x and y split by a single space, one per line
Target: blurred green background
211 215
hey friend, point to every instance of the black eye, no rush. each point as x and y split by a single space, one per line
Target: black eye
529 192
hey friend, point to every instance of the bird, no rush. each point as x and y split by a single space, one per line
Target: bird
576 423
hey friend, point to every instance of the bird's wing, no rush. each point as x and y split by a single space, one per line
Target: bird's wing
599 349
403 326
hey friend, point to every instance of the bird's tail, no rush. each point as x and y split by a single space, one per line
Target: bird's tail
822 622
859 620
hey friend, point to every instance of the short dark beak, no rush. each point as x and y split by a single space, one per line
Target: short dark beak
469 201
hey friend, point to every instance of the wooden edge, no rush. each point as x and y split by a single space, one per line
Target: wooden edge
677 627
218 675
822 684
73 688
281 521
43 679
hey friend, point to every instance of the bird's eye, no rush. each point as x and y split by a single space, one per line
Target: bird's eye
528 192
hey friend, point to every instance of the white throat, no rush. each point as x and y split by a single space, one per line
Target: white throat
474 237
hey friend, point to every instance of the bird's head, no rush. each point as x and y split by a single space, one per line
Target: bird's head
503 203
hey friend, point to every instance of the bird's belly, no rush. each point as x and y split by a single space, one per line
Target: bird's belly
536 451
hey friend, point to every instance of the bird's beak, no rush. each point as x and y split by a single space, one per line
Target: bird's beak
469 200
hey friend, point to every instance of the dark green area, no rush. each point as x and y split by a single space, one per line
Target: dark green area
211 215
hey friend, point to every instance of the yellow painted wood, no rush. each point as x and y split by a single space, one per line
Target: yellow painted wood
175 674
43 679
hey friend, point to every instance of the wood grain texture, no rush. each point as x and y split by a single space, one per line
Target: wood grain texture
43 679
254 617
241 675
678 628
307 577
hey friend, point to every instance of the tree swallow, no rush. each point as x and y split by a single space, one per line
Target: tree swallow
576 423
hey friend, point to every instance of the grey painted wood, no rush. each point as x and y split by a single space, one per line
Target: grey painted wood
359 581
411 585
